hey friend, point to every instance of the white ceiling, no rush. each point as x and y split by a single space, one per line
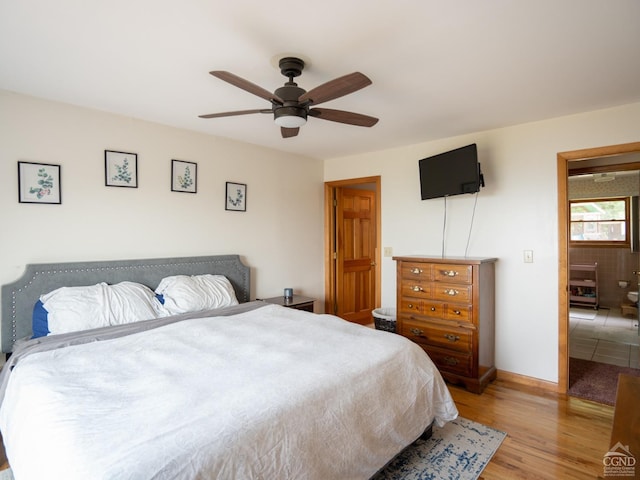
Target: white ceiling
439 67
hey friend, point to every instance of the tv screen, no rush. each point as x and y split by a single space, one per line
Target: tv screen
450 173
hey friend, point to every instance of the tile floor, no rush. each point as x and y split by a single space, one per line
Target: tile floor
609 337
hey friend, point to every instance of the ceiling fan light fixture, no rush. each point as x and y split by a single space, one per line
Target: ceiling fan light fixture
290 121
290 117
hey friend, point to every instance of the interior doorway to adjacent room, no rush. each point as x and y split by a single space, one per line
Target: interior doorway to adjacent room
593 161
352 253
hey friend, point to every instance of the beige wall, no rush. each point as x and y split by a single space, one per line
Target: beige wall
516 211
279 236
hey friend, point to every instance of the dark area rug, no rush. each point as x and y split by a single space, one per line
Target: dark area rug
595 381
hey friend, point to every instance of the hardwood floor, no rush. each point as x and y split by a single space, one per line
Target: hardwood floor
549 436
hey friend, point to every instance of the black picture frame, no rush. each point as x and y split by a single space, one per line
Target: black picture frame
39 183
120 169
236 197
184 176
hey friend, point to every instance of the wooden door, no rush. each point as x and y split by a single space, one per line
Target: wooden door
355 254
563 160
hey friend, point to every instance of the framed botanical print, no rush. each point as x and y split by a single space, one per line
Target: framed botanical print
236 197
184 176
120 169
39 183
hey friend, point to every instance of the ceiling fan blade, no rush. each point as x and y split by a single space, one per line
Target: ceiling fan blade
246 85
232 114
341 116
335 88
289 132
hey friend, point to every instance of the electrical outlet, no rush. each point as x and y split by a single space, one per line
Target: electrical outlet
528 256
388 251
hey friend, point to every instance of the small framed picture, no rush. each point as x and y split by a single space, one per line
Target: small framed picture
236 197
120 169
39 183
184 176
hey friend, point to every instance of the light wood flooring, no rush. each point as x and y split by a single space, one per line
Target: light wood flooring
549 436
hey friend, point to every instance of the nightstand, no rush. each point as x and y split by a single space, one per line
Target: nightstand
297 301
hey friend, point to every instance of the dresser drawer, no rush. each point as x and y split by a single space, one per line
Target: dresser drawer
461 313
433 309
459 339
420 271
416 288
419 306
453 273
451 292
410 305
451 361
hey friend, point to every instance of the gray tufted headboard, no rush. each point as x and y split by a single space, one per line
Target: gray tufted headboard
19 297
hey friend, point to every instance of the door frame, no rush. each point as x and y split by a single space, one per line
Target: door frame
329 235
563 245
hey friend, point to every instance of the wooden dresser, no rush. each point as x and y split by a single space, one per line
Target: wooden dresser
446 305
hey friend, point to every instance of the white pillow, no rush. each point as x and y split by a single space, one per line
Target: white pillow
72 309
184 293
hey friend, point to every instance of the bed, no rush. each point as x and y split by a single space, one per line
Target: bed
242 390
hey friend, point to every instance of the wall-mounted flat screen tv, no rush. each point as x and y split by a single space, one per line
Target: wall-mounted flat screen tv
451 173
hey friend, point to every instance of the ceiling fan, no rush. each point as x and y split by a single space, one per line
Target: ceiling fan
291 105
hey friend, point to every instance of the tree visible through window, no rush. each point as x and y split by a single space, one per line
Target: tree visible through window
602 221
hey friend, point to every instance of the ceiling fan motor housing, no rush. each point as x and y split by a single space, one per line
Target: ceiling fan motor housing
290 106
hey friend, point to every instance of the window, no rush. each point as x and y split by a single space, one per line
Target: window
601 221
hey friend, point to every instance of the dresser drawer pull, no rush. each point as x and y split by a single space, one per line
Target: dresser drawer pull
450 361
433 309
417 288
451 338
451 291
410 305
457 312
449 273
416 270
417 332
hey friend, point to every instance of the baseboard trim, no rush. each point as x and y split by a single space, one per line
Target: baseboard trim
528 381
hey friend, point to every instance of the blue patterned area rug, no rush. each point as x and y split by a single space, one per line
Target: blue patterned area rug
458 451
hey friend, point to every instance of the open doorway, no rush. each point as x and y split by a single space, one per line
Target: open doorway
593 161
352 253
603 265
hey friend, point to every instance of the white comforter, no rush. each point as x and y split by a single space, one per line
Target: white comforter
273 393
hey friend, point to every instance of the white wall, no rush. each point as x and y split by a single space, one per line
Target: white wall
516 211
279 236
